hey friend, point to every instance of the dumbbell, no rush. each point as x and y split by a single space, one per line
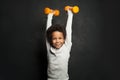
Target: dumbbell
48 10
74 9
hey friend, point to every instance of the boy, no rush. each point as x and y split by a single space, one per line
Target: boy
58 48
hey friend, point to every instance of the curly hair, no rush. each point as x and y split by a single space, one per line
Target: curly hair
54 28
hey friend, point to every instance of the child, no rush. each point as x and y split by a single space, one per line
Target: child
58 48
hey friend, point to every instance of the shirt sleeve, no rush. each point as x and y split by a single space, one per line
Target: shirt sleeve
69 28
49 23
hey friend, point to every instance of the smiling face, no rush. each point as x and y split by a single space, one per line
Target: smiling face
57 39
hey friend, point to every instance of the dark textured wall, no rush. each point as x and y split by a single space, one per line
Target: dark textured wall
23 51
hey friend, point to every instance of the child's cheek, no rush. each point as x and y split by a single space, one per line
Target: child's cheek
53 41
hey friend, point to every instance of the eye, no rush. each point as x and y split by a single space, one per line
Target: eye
53 38
60 38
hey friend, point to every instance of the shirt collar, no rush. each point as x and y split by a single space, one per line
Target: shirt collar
57 51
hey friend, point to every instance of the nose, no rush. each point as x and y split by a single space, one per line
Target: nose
57 40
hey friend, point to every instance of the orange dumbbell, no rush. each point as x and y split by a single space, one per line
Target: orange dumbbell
48 10
74 9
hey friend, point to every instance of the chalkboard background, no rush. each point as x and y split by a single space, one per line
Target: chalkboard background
23 50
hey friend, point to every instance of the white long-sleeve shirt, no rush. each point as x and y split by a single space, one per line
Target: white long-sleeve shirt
58 58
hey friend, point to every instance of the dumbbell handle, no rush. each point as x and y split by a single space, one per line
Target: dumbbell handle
48 10
74 9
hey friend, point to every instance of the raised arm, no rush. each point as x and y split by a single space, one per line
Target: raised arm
70 10
49 23
49 20
50 13
69 27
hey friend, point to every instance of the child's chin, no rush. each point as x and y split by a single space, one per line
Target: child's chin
57 47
